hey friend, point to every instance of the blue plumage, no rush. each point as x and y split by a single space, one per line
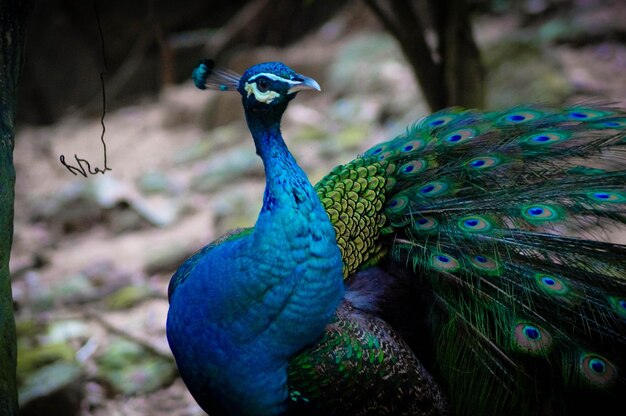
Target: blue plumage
245 306
477 281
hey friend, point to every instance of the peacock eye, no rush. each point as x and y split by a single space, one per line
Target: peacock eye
263 85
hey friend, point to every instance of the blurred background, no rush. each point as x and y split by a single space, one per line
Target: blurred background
92 257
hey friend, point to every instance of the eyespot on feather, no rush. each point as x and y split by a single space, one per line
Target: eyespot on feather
437 120
483 162
484 264
413 168
425 224
532 338
610 123
521 116
397 204
444 262
412 145
458 137
540 213
433 189
474 224
597 370
551 284
586 114
377 150
606 196
546 138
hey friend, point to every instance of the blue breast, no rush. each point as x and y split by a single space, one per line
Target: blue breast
247 305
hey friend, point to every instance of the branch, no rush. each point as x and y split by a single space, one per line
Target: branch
152 349
230 34
406 27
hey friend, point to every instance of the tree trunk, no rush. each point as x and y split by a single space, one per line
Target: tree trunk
449 72
463 72
13 16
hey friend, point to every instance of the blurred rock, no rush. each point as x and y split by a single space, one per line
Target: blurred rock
155 182
48 375
127 297
524 67
372 66
166 259
129 369
237 207
222 110
183 104
159 212
216 139
34 357
55 389
105 273
96 395
350 138
74 289
225 167
29 327
102 200
66 330
87 285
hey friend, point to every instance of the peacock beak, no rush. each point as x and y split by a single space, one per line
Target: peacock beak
304 83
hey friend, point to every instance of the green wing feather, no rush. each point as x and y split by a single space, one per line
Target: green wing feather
353 196
361 367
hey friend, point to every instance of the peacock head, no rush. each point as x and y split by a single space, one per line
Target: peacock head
264 87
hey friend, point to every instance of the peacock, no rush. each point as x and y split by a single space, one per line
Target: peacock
463 267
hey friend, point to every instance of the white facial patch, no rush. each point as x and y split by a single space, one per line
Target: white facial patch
264 97
268 96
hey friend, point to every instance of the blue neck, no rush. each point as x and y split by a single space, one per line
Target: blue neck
289 264
287 186
243 307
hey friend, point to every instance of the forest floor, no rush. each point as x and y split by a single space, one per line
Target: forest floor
92 257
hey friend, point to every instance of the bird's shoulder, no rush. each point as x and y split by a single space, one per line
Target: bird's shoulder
188 266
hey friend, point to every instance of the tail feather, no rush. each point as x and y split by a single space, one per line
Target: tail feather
508 219
505 214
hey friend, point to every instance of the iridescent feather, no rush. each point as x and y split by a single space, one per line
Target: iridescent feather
479 273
